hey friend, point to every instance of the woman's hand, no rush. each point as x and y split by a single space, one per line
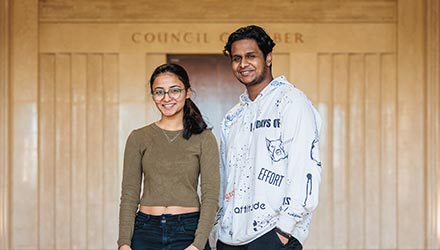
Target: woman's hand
191 247
125 247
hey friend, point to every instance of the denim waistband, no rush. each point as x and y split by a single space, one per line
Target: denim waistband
168 217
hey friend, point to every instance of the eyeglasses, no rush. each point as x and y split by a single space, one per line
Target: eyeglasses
159 94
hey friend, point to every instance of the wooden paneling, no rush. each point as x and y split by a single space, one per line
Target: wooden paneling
23 136
4 124
339 148
79 163
357 101
411 137
46 151
62 106
95 157
356 143
433 121
388 168
372 148
325 227
274 11
110 145
79 151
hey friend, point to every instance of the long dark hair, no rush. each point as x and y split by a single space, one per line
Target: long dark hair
193 122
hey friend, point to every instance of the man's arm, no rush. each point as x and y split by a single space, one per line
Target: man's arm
301 125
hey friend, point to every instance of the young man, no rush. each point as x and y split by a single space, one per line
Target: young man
270 167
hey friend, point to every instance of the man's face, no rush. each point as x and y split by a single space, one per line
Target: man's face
248 63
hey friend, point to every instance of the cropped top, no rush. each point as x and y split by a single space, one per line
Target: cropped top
170 170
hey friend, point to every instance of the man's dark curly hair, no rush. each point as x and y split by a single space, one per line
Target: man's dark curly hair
263 40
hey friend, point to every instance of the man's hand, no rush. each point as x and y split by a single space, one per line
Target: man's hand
283 239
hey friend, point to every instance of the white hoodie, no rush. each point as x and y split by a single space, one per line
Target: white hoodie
270 167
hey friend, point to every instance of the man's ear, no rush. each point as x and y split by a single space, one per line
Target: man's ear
269 59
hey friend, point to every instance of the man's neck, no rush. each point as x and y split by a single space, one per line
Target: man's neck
255 90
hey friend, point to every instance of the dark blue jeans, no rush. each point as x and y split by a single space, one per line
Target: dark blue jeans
269 241
164 232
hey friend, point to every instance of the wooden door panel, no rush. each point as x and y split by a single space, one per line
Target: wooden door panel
215 88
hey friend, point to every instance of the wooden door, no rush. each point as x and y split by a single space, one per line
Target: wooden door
215 88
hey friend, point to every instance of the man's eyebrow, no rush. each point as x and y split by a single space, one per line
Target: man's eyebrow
247 53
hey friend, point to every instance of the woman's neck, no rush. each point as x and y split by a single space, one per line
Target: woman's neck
170 123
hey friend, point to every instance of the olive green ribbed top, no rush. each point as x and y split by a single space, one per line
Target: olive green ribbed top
171 172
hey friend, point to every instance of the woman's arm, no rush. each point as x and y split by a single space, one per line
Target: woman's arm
210 184
131 188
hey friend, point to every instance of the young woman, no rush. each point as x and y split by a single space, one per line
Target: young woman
169 155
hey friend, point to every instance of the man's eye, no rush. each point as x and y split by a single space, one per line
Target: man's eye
236 59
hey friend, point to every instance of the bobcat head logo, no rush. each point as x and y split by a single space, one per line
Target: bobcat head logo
276 149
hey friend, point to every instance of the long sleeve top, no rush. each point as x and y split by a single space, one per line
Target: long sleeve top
170 173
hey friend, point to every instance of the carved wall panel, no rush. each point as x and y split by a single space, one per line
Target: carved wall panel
356 96
79 164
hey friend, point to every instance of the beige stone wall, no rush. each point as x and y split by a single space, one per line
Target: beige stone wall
72 86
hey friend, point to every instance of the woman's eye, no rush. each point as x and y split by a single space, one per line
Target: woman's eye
175 91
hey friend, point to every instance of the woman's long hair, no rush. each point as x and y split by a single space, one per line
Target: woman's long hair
193 122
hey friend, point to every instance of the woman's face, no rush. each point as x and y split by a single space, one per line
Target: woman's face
169 95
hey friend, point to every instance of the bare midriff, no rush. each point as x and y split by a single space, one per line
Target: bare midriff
159 210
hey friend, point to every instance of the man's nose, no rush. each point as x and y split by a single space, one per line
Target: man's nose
243 63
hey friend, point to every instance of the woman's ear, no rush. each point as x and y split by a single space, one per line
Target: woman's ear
188 93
